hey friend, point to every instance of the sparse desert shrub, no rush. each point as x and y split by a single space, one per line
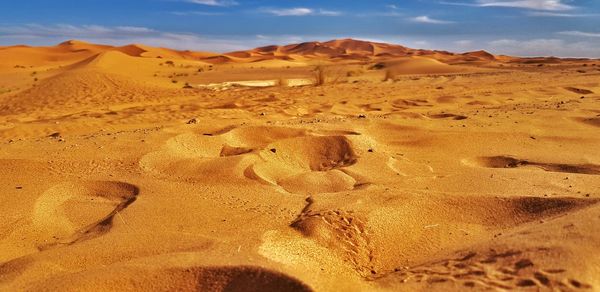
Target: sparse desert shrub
187 86
170 63
378 66
174 81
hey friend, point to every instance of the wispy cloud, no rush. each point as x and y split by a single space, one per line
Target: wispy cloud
544 47
301 11
37 34
463 43
544 5
581 34
214 2
558 14
67 30
427 19
199 13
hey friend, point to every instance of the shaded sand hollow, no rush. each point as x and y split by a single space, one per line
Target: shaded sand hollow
336 166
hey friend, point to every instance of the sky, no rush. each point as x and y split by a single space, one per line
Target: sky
566 28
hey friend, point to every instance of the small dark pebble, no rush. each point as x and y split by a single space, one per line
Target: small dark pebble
526 283
273 150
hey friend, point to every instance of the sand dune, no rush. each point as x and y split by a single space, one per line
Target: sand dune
323 166
350 50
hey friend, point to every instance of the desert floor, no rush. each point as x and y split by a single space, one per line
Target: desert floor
488 178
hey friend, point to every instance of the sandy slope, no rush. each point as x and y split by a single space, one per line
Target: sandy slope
439 172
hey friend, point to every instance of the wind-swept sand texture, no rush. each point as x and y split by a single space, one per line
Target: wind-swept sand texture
323 166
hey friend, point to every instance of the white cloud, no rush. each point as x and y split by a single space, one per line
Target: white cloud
301 11
463 43
214 2
42 35
199 13
544 5
558 14
545 47
36 34
551 5
427 19
581 34
66 30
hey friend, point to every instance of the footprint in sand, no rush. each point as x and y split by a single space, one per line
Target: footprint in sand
350 230
72 212
492 270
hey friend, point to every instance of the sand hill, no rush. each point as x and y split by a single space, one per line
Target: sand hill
324 166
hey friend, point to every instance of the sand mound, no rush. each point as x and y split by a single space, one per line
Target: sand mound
27 57
291 158
313 153
176 277
86 86
423 65
72 212
373 240
116 62
133 50
479 56
79 46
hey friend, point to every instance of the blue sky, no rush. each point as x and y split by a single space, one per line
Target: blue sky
517 27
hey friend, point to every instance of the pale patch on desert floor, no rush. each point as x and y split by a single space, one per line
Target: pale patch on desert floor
433 177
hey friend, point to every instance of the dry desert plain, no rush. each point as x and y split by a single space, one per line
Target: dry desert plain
335 166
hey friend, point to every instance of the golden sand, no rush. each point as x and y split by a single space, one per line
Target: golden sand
391 169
